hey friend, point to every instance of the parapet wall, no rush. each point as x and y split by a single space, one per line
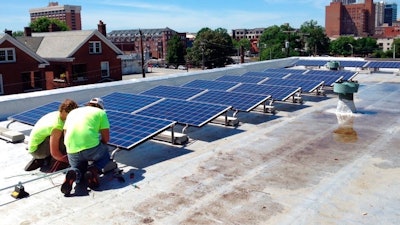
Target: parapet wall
13 104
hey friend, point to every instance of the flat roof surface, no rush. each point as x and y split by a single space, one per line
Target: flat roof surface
299 166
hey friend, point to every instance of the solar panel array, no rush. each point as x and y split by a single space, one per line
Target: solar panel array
173 92
381 64
327 79
184 112
305 85
212 85
278 93
241 79
266 74
125 102
239 101
285 70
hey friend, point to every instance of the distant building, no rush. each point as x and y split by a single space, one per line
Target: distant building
69 14
253 35
154 41
379 13
353 19
390 14
345 2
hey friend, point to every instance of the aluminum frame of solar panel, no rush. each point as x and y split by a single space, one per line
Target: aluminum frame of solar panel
277 93
241 79
126 102
176 92
327 79
210 85
306 85
31 116
239 101
129 130
185 112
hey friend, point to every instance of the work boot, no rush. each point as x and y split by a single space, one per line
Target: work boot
92 177
66 187
34 164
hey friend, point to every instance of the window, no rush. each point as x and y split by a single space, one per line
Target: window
7 55
105 69
94 47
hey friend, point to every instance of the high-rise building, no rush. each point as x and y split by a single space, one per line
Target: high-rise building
70 14
379 13
353 19
390 14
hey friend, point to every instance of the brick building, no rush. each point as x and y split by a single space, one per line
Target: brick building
154 41
352 19
70 14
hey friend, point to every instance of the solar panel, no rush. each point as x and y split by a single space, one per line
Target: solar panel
30 117
125 102
278 93
184 112
266 74
239 101
211 85
382 64
241 79
128 130
173 92
346 63
327 79
311 62
306 85
285 70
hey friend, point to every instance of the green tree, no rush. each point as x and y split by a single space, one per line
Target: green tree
315 40
365 46
343 46
176 51
17 33
42 24
212 48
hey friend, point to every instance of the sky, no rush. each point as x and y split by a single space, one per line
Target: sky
179 15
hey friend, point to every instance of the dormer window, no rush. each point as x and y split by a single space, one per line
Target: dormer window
7 55
94 47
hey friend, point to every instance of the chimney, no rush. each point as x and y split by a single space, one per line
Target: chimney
101 27
28 32
9 32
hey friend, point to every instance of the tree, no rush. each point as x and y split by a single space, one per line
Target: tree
316 41
176 51
343 46
42 24
212 48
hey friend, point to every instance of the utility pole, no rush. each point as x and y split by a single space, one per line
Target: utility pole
142 52
287 42
394 51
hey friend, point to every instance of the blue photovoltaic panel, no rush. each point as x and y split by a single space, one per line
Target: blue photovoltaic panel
173 92
285 70
383 64
211 85
241 79
306 85
185 112
266 74
129 130
311 62
346 63
30 117
346 74
125 102
328 80
278 93
239 101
